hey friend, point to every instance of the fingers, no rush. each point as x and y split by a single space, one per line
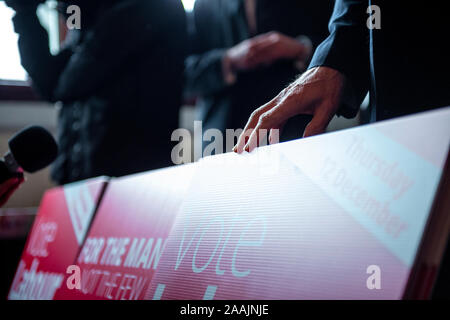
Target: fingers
320 121
274 115
271 116
258 133
265 37
275 133
262 49
277 46
313 128
259 53
251 124
272 120
317 92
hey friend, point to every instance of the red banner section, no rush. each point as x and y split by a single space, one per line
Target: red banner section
337 216
127 238
62 222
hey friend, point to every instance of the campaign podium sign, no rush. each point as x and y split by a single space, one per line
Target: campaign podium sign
129 233
356 214
58 232
335 216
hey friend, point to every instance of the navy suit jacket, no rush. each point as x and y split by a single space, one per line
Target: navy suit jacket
404 64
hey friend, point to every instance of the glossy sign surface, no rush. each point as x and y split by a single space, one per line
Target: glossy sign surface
336 216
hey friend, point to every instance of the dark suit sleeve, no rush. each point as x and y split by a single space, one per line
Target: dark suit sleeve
321 11
203 67
43 67
347 50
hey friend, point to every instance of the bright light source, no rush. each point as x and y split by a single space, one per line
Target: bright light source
10 67
188 4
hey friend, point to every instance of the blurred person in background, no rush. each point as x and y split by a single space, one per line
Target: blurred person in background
119 78
243 52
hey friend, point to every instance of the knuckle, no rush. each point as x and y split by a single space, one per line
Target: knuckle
264 118
255 114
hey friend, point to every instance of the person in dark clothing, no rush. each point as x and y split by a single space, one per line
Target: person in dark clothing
245 51
119 79
404 64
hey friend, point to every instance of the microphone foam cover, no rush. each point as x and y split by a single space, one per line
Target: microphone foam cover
33 148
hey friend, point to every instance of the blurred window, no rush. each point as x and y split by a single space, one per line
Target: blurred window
188 4
10 67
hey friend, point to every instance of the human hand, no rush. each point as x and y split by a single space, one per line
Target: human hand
318 92
278 46
242 56
266 49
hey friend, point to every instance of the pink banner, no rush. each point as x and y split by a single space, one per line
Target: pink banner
128 236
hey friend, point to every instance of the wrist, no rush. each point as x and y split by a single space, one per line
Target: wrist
322 73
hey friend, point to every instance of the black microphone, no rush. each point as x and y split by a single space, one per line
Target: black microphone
31 149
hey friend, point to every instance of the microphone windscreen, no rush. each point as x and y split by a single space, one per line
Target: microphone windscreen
33 148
